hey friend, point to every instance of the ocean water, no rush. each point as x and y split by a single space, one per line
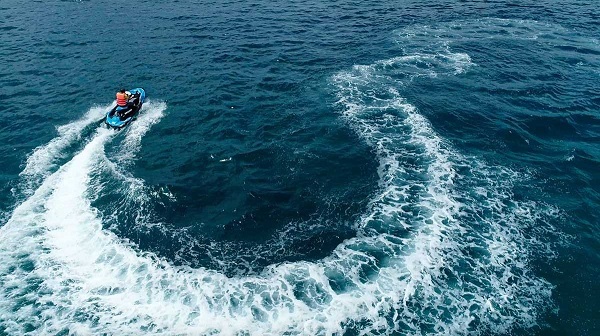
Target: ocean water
301 168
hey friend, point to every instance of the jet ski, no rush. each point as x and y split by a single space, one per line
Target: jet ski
119 116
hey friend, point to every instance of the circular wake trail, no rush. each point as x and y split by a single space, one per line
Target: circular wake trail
454 269
440 250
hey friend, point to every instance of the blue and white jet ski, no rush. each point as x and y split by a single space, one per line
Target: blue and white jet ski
118 117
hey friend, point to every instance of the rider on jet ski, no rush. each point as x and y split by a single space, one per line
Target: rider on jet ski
128 105
126 102
123 100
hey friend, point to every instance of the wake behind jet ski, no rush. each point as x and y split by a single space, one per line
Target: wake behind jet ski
128 105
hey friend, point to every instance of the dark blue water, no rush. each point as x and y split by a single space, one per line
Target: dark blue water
300 168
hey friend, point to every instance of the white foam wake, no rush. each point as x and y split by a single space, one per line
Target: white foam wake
152 114
441 250
43 159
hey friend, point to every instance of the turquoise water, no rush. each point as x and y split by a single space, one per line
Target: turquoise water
300 168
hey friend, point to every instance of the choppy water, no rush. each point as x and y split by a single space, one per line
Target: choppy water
301 168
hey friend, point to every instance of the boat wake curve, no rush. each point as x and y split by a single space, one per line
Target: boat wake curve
442 248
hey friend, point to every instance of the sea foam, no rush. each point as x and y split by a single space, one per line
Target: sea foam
441 248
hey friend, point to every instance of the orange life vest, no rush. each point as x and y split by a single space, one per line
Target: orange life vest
121 99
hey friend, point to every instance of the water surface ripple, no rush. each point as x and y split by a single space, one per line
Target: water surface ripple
300 168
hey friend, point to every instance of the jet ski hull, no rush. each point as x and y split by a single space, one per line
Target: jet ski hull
118 118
